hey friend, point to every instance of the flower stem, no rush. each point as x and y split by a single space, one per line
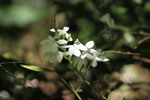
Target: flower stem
70 86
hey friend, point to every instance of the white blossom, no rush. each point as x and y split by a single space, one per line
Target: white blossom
61 40
63 32
92 54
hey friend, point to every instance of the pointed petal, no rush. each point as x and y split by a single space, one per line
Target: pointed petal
90 44
71 50
70 39
66 29
102 58
67 35
67 46
52 30
83 56
93 51
77 52
80 47
62 41
61 32
98 59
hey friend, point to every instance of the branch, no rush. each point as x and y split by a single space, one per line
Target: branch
146 60
142 33
141 41
120 52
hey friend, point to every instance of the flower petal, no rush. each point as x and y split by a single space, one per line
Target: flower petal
66 29
52 30
77 52
83 56
62 41
67 46
70 39
67 35
93 51
71 50
106 59
89 44
102 58
98 59
81 47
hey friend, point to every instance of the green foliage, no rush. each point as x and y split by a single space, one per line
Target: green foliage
9 55
51 49
124 98
107 20
37 69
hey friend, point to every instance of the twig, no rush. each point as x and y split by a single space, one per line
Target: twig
141 41
142 33
121 52
147 60
11 63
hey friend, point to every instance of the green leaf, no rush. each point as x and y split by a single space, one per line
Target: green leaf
79 90
51 49
37 69
9 55
78 62
107 19
124 98
44 41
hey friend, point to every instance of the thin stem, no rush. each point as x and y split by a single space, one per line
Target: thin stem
11 62
73 90
88 83
88 67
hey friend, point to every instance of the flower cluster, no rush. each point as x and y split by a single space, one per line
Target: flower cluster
58 47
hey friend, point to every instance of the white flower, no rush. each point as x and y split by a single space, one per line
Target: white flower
92 54
63 32
89 50
73 50
76 48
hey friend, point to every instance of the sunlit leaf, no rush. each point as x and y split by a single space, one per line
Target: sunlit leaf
37 69
9 55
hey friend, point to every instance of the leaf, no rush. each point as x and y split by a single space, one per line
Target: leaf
44 41
9 55
37 69
107 19
124 98
94 63
79 62
60 57
51 49
79 90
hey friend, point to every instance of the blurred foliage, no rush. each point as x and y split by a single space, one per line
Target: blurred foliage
119 25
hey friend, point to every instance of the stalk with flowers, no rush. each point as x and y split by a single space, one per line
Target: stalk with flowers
62 46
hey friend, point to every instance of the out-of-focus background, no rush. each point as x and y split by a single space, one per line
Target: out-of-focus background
121 28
